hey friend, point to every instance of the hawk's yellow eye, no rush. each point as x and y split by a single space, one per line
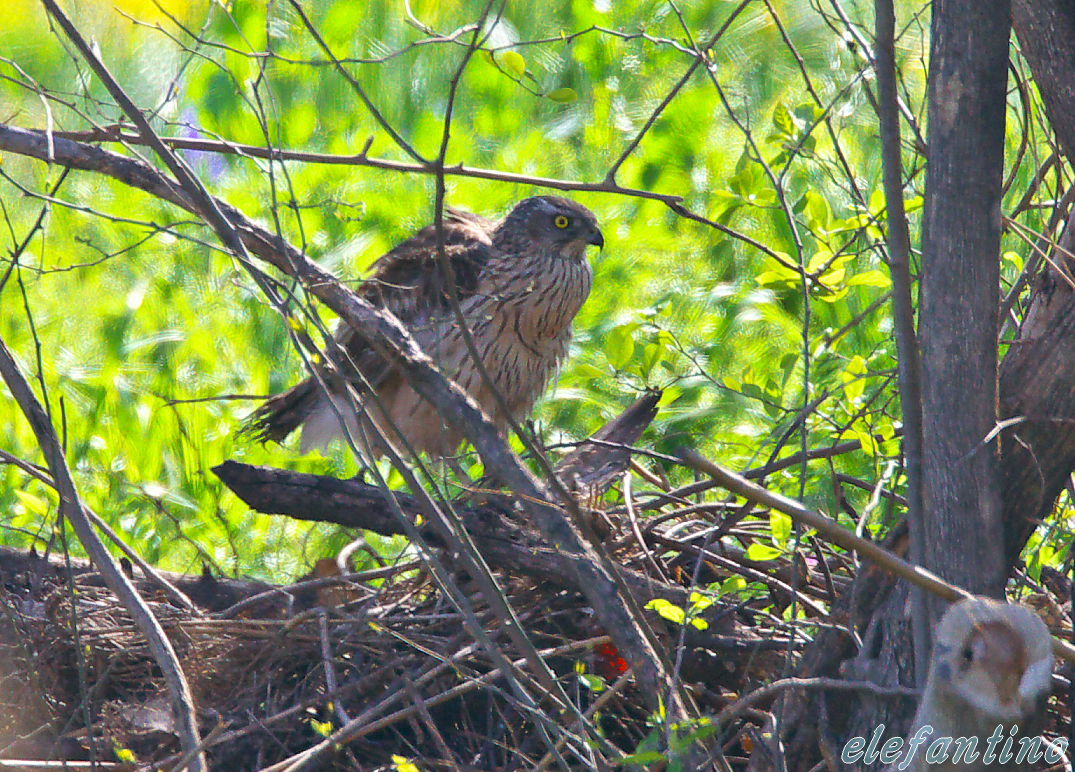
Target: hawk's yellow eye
561 221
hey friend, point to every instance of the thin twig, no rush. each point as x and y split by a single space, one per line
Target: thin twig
837 534
73 510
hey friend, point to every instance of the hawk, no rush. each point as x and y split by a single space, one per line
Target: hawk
520 282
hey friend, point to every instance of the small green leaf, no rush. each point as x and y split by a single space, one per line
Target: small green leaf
853 377
733 584
592 682
34 505
588 371
871 278
645 757
780 527
700 602
782 120
125 755
668 610
620 346
877 203
513 63
869 444
323 728
759 551
1014 258
818 211
563 95
654 353
403 764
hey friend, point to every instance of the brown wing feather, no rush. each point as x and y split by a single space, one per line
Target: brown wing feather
406 281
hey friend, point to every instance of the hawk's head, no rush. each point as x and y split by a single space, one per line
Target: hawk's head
549 223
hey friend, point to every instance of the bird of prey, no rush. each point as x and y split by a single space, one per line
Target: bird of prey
520 281
991 665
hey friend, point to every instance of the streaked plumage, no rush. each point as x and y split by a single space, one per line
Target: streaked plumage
520 283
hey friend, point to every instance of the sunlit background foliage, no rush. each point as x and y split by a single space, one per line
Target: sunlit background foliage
146 327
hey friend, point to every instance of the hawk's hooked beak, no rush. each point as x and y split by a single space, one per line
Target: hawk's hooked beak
596 238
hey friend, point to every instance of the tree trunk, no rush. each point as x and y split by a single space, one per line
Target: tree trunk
1046 29
960 295
963 515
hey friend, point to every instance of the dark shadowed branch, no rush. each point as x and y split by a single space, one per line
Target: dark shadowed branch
385 333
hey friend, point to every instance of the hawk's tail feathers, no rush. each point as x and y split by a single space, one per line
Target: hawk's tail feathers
283 413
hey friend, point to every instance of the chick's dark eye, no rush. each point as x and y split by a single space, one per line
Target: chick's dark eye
561 221
968 655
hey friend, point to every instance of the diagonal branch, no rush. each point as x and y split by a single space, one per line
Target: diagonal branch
837 534
72 509
385 333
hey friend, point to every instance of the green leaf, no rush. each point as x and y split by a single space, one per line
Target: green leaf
782 120
732 585
779 274
645 757
323 728
700 602
403 764
513 64
877 203
818 212
35 505
125 755
589 371
852 377
760 551
563 95
668 610
620 346
780 527
592 682
1014 258
654 353
871 278
868 442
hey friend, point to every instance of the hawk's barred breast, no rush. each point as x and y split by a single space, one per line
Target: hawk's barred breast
520 283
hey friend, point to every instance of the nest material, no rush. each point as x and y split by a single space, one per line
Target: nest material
394 649
272 674
392 652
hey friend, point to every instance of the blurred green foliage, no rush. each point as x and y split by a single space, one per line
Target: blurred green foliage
138 313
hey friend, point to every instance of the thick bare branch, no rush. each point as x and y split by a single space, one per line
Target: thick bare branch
385 333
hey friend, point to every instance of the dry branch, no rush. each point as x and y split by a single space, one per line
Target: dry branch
72 509
502 541
592 574
834 532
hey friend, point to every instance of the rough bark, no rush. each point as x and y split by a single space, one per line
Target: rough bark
1045 29
1038 452
966 501
960 295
